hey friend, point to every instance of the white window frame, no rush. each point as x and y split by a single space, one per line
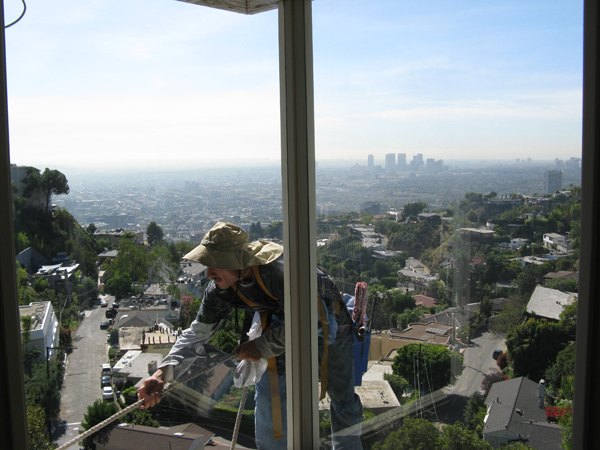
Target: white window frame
299 219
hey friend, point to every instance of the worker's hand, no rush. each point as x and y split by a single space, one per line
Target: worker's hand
248 351
150 391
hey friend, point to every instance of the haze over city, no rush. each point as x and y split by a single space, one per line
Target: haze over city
166 84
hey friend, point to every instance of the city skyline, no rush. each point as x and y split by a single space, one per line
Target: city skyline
165 84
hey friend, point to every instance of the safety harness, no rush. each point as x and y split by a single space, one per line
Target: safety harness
271 362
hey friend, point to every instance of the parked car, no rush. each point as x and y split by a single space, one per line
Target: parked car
106 369
115 304
110 313
108 393
105 381
104 325
496 353
103 303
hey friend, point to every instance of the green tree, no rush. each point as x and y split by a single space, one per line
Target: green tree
455 437
91 229
569 285
511 315
256 231
566 429
120 285
413 209
415 434
487 306
475 411
427 367
36 426
558 374
49 182
274 230
526 281
141 417
130 266
397 383
95 414
534 345
154 233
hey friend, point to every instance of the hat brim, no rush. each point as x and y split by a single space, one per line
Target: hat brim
254 254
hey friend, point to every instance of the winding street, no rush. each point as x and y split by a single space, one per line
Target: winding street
81 387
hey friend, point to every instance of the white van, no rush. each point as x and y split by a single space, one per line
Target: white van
106 369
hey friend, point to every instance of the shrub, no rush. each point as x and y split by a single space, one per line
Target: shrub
502 361
490 379
555 413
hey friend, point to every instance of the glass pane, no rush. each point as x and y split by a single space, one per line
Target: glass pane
448 147
160 119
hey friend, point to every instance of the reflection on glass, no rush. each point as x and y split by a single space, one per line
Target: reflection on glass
134 129
448 180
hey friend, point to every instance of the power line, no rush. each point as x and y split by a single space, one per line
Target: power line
19 18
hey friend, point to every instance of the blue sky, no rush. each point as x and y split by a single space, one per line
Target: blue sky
157 83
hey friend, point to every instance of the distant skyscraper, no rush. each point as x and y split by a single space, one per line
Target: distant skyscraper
390 162
401 162
370 161
552 181
420 159
573 164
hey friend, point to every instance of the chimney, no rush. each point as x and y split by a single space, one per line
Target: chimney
542 393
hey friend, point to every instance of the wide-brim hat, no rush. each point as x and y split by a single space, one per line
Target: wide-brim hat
226 246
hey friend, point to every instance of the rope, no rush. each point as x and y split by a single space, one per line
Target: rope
240 413
101 425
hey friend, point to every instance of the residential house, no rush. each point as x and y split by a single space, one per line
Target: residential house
457 317
432 218
562 275
200 393
476 234
551 240
113 236
125 436
425 301
530 260
517 242
146 318
59 276
135 366
383 344
385 255
477 262
516 414
31 260
44 329
107 255
549 303
191 277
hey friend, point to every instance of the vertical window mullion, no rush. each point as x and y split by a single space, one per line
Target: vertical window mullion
299 218
14 419
586 396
